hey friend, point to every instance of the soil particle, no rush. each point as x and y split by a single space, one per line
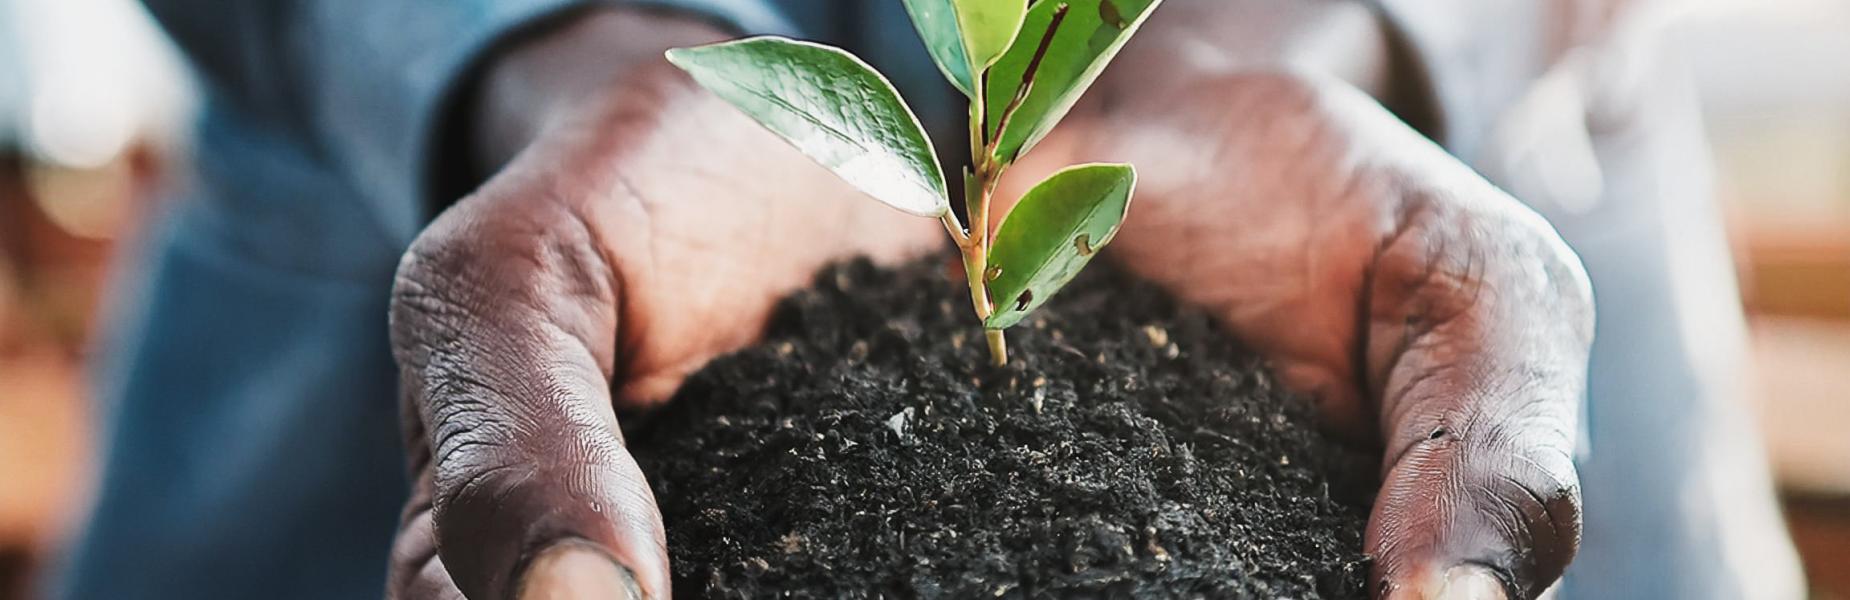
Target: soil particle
867 448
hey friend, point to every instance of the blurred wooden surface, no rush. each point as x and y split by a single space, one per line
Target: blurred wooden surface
44 449
1803 370
50 281
1795 271
43 444
1795 282
1821 529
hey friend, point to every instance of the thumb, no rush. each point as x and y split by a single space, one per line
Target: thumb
503 324
1484 505
570 571
1480 321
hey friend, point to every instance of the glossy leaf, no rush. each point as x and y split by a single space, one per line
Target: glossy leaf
966 36
832 107
1052 233
1089 36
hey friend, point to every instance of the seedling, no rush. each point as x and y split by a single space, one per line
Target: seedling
1022 64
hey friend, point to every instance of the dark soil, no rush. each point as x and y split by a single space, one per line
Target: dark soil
1129 448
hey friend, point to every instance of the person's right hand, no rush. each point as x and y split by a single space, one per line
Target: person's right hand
642 227
1420 306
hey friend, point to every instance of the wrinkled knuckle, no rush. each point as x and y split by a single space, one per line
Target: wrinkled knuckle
491 258
467 432
1567 276
1546 268
470 477
487 480
1455 250
477 471
431 285
1430 266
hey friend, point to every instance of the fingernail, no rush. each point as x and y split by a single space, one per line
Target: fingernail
573 571
1471 582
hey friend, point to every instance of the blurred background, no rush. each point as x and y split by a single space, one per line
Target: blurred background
94 106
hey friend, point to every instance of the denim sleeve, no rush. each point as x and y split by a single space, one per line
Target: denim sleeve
363 84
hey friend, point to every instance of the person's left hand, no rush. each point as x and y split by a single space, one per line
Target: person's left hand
634 227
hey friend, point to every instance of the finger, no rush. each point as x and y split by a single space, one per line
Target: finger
563 571
1480 321
504 326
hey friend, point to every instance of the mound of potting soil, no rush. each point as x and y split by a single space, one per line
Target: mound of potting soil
1129 448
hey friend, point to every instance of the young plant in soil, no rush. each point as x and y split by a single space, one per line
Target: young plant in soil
1022 64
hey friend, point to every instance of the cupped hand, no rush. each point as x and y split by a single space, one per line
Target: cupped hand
1422 308
641 230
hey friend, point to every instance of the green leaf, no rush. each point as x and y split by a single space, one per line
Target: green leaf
1089 36
832 107
1052 233
966 36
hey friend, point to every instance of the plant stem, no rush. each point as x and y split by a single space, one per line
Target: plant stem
975 245
976 258
980 184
